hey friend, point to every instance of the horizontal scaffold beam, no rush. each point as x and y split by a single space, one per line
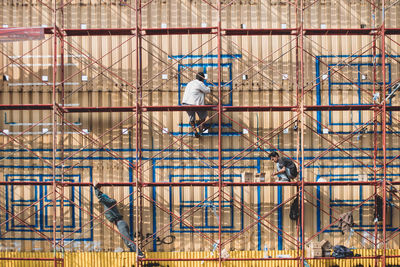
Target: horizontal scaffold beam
226 32
205 107
179 184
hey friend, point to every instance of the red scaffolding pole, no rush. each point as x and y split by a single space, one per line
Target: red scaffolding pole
383 123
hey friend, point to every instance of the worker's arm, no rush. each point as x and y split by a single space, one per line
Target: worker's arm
205 89
103 198
283 170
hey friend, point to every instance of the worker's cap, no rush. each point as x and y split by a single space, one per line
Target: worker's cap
273 154
200 76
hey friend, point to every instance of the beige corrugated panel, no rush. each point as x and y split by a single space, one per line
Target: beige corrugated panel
112 259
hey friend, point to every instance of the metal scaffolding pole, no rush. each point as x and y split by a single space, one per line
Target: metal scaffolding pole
383 123
54 141
375 138
302 128
139 124
62 115
220 113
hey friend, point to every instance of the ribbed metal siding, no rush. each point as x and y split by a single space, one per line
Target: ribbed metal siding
111 259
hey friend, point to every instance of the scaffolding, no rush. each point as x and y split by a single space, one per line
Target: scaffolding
300 112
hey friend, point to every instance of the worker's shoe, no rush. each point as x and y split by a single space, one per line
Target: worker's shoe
205 127
140 255
282 180
194 128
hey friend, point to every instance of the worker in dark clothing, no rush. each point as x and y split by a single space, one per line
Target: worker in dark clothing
286 169
113 215
346 222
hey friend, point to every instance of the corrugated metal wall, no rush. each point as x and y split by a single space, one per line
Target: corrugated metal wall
268 62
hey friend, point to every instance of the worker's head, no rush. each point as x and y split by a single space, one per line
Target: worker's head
274 156
200 76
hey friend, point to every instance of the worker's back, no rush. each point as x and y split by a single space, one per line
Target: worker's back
194 93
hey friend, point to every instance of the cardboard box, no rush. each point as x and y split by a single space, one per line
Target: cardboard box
325 245
260 177
319 249
314 250
315 253
326 248
247 177
251 177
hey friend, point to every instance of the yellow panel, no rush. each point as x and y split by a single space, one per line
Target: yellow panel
112 259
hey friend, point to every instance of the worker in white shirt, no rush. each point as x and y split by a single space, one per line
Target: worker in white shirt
195 92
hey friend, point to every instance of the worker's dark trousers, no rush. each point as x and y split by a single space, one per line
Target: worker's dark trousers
123 228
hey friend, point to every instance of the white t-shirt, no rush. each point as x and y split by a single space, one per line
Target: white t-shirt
195 92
